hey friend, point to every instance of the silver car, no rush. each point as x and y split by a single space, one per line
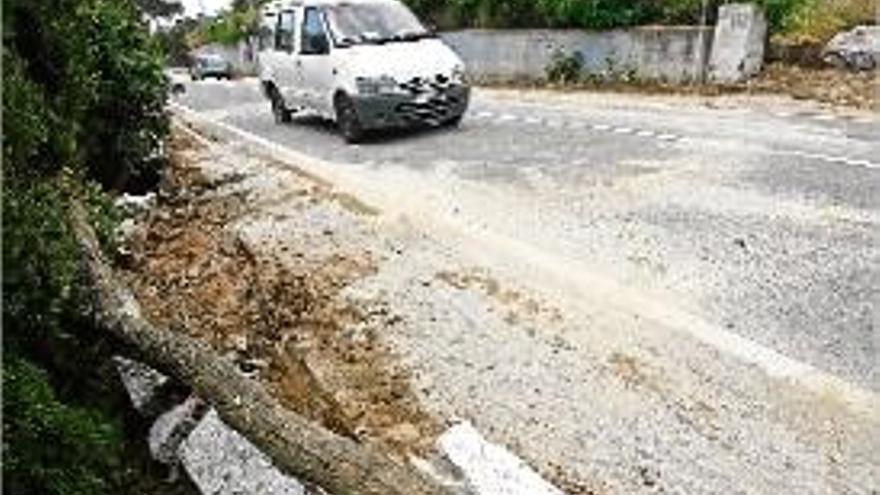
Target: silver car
210 65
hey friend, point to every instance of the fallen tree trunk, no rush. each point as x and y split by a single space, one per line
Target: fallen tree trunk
296 445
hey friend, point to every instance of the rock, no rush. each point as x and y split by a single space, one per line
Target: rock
488 468
143 384
172 428
857 49
132 205
222 462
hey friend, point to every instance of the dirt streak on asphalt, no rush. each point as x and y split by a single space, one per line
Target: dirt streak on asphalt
286 322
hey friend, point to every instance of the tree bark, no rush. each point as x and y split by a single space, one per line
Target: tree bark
296 445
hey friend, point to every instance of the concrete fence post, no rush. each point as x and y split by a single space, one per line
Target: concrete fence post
738 44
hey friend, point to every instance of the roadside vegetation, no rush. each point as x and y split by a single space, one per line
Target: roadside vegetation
791 21
83 119
814 19
230 26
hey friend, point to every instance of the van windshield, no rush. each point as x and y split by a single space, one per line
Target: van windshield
374 22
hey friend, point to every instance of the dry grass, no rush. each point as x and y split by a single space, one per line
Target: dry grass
819 20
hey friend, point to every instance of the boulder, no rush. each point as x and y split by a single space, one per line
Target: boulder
857 49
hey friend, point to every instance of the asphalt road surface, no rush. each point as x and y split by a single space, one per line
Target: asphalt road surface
746 231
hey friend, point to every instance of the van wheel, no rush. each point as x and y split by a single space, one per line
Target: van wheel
348 121
454 121
282 114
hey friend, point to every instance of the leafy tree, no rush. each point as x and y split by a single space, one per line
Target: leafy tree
83 99
160 8
586 14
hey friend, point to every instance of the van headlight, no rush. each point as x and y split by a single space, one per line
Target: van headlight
459 75
370 86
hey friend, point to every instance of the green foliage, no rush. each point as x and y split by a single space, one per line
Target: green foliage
83 99
585 14
817 21
174 43
90 82
160 8
230 27
564 69
55 448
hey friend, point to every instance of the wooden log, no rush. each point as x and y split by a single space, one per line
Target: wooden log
297 446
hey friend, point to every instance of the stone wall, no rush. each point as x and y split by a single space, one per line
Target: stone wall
728 52
675 54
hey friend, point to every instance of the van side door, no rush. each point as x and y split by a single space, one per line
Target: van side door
316 61
285 59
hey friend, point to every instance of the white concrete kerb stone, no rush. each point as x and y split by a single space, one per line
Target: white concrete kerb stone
491 469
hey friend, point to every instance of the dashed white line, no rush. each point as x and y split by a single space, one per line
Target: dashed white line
853 162
601 127
645 133
622 130
667 137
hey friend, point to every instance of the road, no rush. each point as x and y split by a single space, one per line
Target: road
706 273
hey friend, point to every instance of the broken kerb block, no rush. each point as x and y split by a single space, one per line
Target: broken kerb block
171 429
222 462
491 469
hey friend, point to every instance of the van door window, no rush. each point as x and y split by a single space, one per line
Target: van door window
284 31
314 36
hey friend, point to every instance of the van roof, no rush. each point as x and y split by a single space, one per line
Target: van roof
280 5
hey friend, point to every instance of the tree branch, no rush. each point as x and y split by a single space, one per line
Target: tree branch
297 446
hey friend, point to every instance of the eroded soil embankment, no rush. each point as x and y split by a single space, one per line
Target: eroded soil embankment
287 322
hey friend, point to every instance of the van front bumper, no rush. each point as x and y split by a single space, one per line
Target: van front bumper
432 108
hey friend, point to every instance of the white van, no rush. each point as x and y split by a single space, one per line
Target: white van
366 64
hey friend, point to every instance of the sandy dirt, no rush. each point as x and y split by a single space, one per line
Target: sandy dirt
286 323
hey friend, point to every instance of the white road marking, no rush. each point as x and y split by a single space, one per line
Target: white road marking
667 137
824 117
773 363
601 127
553 123
490 469
853 162
507 117
483 115
533 120
863 120
645 133
623 130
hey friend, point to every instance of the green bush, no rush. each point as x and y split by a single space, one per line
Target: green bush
89 82
564 69
54 448
584 14
83 107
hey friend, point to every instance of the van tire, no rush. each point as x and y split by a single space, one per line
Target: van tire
347 120
282 114
454 121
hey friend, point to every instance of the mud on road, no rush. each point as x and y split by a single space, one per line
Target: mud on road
286 321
